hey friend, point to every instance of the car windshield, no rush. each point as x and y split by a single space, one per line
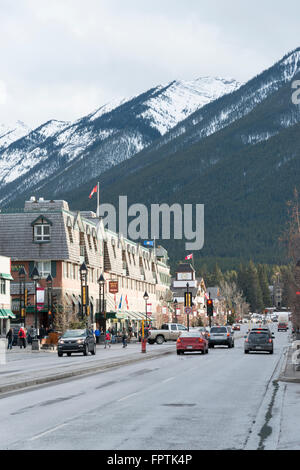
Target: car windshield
74 333
191 334
219 329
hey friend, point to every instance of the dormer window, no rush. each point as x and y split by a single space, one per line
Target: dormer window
42 233
41 230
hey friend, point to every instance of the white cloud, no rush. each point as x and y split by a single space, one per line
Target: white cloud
62 58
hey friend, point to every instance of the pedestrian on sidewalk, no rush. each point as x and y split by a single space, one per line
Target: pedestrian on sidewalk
107 339
22 337
113 335
97 334
124 338
9 337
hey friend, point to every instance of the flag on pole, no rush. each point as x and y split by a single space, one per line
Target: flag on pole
126 300
120 304
94 190
189 257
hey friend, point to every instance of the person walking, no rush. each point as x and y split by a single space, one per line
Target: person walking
22 337
107 339
113 335
9 337
97 334
124 338
30 335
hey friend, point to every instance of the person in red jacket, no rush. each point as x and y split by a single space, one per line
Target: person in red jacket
22 337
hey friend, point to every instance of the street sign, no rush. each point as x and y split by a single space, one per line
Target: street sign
188 310
113 287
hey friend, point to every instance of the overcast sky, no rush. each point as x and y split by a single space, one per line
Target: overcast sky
61 59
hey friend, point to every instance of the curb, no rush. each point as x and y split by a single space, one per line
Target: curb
282 377
77 373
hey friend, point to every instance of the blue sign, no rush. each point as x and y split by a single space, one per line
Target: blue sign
149 243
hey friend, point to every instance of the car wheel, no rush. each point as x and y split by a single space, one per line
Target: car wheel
85 351
151 342
178 353
271 352
246 352
233 345
68 354
160 339
60 354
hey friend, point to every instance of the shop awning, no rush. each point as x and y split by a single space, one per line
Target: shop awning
6 313
6 276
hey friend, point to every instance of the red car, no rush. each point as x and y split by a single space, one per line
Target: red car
191 341
236 327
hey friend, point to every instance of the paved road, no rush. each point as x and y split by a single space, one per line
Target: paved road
223 400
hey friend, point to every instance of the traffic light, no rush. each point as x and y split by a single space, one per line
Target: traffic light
188 299
210 308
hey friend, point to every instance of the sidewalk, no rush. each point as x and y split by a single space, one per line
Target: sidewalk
26 368
288 372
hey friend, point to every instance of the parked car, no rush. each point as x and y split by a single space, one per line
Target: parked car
220 336
191 341
236 327
259 340
76 341
168 332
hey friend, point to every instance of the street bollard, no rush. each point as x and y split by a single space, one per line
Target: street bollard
144 342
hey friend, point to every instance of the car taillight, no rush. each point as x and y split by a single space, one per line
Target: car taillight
201 340
246 341
228 334
208 335
179 340
270 341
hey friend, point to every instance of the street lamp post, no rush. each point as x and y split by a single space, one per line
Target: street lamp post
188 316
144 339
84 292
101 282
35 276
22 276
49 281
175 310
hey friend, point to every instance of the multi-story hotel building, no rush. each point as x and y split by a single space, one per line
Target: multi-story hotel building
49 236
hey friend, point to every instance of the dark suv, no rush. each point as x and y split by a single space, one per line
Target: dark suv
220 336
259 340
76 341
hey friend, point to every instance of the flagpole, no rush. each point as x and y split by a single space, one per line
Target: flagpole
98 200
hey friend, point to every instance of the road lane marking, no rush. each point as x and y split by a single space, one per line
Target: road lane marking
128 396
47 432
168 380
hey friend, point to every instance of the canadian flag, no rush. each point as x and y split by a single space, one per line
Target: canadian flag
94 190
189 257
126 300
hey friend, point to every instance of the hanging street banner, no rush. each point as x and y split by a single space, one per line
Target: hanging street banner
40 298
113 287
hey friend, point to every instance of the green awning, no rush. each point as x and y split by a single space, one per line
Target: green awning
3 314
6 313
6 276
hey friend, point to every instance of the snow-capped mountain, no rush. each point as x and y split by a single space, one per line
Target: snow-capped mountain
9 134
107 136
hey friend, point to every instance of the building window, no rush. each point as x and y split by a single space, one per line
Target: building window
42 233
44 268
2 286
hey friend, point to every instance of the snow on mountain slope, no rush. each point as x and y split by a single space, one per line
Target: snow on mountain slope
8 135
107 136
183 98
